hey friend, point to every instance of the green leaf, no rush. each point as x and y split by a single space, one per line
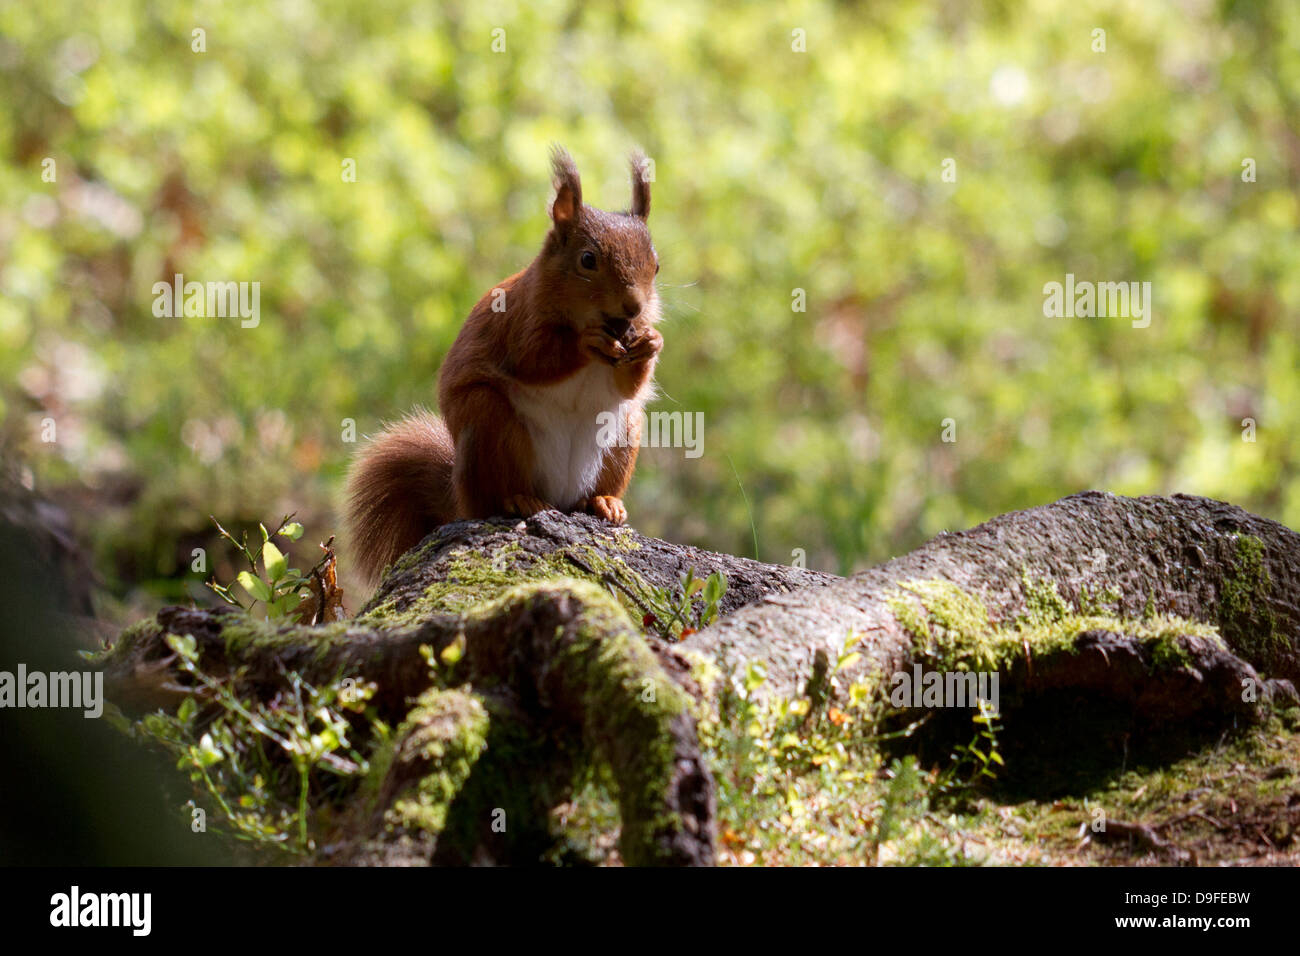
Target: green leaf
292 531
453 651
274 562
327 741
255 586
283 604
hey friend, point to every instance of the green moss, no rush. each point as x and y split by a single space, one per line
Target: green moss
413 559
946 623
1168 651
913 619
1044 604
244 635
140 632
440 741
952 628
473 579
1245 616
1149 608
626 541
1104 601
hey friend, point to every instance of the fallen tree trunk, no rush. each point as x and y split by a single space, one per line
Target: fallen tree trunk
1199 559
1167 611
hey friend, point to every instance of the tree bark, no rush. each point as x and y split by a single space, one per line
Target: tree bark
1193 557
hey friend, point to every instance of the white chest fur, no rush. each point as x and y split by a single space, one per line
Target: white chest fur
564 421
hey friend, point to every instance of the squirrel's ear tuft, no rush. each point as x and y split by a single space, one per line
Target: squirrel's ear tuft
640 185
567 206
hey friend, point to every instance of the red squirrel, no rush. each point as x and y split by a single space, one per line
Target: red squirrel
524 386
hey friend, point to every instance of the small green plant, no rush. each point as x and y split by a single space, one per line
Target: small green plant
680 613
278 587
905 800
738 729
804 778
976 762
264 763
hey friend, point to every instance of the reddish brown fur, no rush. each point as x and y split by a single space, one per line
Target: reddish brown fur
399 489
559 318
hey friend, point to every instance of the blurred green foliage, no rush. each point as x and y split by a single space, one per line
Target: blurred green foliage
776 170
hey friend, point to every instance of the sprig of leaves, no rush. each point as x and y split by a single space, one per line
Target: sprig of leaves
262 762
693 607
278 587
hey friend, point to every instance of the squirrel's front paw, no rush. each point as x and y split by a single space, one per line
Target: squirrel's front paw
649 345
603 346
525 506
607 507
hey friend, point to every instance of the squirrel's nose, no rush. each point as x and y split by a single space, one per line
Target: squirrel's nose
631 308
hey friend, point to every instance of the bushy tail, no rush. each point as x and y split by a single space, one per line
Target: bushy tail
399 489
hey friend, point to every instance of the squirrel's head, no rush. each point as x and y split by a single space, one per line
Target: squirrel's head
602 264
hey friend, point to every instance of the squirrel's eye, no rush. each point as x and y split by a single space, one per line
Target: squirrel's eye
656 268
588 260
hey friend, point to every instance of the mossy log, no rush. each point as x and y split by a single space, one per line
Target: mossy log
1135 558
1155 613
